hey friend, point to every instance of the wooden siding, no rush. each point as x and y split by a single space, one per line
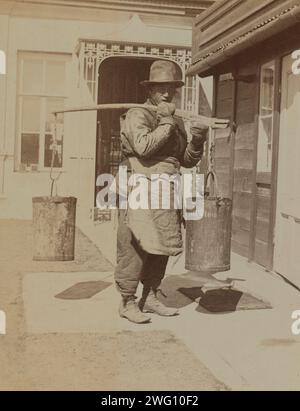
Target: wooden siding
262 224
254 194
223 138
243 166
235 164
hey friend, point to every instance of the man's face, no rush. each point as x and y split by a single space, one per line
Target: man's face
162 93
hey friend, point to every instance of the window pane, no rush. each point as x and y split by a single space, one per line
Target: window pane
57 162
32 76
31 113
55 77
267 90
190 94
53 104
29 149
265 136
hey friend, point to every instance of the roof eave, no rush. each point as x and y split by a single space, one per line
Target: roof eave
207 64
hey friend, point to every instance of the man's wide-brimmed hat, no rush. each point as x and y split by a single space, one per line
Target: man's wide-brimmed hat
163 71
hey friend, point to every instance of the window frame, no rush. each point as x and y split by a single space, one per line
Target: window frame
265 177
42 96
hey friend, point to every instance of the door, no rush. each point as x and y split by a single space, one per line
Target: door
119 82
287 230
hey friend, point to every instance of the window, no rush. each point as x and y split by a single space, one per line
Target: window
191 94
266 114
41 90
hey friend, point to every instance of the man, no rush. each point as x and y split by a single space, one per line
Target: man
152 142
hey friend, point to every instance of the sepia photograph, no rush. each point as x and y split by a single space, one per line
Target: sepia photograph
149 198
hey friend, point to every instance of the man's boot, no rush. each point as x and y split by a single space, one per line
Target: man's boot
149 303
129 309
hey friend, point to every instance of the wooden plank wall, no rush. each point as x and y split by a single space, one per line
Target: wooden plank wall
262 223
235 158
254 194
224 109
244 158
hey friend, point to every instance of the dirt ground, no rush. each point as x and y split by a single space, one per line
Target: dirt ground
83 361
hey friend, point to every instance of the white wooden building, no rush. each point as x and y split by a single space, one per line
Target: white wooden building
72 53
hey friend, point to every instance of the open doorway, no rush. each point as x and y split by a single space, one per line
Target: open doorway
119 82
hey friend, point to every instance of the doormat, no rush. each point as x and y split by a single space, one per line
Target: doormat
83 290
179 292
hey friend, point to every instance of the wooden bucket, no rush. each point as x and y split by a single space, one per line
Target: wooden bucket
54 228
208 241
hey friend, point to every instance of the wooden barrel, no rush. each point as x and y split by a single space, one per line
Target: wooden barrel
54 228
208 241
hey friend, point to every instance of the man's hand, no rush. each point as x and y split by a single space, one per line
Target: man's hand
199 133
165 112
165 109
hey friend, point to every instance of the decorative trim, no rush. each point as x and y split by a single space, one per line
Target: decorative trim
92 53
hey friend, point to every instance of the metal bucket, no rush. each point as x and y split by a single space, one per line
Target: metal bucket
208 241
54 228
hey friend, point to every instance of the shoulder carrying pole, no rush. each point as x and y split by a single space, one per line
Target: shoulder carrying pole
186 115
